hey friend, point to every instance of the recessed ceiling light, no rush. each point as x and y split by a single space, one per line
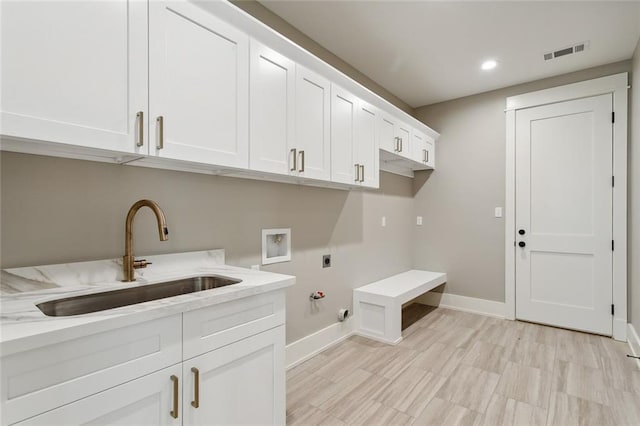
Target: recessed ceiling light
489 65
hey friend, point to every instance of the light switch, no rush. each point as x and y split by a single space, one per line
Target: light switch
498 212
419 220
383 222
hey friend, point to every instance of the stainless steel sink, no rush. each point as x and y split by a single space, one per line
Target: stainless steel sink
130 296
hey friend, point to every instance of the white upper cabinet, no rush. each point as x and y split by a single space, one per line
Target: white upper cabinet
344 107
423 150
395 136
271 114
312 157
75 72
366 152
198 86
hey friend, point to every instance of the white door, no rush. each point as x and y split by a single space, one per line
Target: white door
564 214
148 400
242 383
366 152
271 112
75 72
312 157
343 126
198 85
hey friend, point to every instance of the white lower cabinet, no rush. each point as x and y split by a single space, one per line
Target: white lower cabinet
218 365
242 383
144 401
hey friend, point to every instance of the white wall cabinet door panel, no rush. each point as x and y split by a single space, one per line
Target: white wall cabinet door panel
75 72
367 153
144 401
344 107
403 133
312 157
198 84
271 115
387 133
241 383
564 269
423 150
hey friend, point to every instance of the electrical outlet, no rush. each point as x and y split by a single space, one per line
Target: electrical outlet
383 222
326 261
419 220
498 212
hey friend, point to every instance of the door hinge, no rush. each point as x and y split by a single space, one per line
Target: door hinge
613 309
612 245
613 181
613 116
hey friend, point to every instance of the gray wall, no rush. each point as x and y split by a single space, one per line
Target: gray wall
460 234
634 194
274 21
59 210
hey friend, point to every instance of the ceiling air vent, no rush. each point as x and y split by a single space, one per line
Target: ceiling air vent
581 47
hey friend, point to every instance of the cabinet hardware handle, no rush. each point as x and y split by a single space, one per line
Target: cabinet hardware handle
140 123
425 155
400 144
295 159
160 122
301 154
397 147
196 387
357 179
361 172
174 412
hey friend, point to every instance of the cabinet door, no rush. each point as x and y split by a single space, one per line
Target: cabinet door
242 383
422 150
367 153
343 126
74 72
313 141
387 133
144 401
198 84
271 113
431 153
403 132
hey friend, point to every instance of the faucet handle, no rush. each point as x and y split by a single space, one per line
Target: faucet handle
142 263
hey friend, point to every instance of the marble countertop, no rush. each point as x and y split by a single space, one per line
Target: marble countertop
23 326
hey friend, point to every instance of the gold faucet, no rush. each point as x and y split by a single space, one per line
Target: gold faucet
129 263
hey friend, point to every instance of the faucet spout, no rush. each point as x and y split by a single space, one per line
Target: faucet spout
129 264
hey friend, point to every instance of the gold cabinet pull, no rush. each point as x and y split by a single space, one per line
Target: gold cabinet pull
425 155
400 144
301 153
196 388
357 179
295 159
174 412
361 172
140 124
160 123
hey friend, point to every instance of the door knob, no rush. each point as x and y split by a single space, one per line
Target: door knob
521 232
522 244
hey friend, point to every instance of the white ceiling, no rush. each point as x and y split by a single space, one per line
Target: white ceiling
426 52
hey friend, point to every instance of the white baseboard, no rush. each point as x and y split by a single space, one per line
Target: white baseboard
463 303
305 348
634 341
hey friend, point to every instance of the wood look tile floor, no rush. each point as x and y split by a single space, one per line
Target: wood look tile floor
457 368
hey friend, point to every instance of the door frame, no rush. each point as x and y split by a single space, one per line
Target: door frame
617 85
